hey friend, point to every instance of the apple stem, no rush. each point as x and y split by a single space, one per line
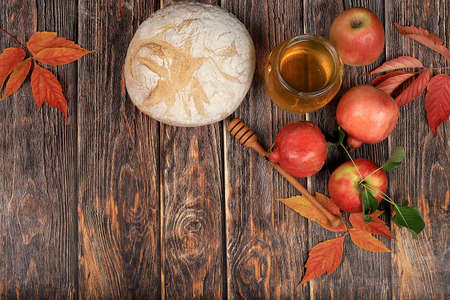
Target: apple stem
356 24
348 154
11 36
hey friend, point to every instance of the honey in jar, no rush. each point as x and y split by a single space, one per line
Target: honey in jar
303 74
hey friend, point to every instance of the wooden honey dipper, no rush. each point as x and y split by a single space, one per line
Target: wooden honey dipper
248 138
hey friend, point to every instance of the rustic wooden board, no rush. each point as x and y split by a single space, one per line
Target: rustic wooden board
420 267
266 241
192 211
118 163
116 205
38 155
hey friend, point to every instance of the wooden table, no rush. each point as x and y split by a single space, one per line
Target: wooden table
116 205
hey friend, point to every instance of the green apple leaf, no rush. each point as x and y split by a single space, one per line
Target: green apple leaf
409 217
365 204
395 160
341 135
340 140
373 202
369 204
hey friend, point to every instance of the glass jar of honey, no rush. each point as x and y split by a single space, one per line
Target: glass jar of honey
303 74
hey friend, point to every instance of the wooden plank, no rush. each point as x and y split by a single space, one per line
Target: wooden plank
38 185
192 213
361 274
420 267
266 241
286 20
118 159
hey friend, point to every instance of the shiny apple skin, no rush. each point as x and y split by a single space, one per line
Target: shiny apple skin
357 46
344 188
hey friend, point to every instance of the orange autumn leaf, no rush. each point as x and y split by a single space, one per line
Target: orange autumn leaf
42 40
376 214
305 208
59 56
425 38
324 257
414 89
377 226
46 88
17 77
9 59
328 204
366 241
49 49
437 101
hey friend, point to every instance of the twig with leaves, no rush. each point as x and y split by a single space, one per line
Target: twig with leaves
326 256
45 48
437 100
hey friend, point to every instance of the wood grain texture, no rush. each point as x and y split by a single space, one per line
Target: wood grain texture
118 163
191 206
420 267
266 241
115 205
38 156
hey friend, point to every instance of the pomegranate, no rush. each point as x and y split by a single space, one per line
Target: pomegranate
367 114
300 149
345 184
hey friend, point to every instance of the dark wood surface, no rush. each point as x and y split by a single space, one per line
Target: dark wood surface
115 205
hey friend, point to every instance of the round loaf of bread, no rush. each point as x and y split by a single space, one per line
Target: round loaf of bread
189 64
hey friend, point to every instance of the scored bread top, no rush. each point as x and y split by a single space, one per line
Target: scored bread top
189 64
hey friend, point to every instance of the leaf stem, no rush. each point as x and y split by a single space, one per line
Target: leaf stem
16 40
388 199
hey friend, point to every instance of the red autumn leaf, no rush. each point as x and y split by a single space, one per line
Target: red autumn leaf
328 204
324 257
437 101
43 40
366 241
377 226
398 63
390 84
383 77
9 59
46 88
17 77
425 38
308 210
414 89
55 51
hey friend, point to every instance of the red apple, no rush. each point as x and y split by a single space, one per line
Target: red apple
367 114
358 36
345 188
300 149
